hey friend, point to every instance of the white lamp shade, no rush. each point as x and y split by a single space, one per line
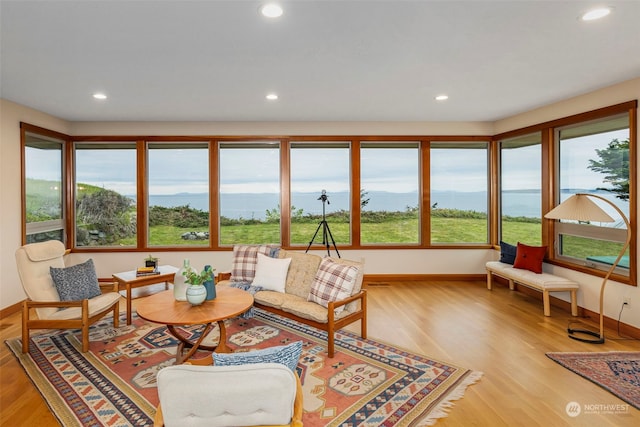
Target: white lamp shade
579 207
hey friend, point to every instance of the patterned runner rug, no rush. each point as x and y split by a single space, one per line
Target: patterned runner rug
367 383
617 372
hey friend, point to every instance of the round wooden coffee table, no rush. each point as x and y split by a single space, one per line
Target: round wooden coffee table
163 308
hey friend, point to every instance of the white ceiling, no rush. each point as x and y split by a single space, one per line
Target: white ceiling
327 60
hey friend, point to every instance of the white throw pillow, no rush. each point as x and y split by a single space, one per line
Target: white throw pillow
271 273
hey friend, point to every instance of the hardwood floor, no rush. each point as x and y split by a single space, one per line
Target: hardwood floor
501 333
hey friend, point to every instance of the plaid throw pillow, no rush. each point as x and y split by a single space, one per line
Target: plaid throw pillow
333 282
245 258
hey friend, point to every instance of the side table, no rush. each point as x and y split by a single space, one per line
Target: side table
128 280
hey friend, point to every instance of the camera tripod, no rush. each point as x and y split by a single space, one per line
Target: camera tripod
326 231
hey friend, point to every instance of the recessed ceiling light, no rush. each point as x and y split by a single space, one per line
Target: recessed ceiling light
594 14
272 97
442 97
99 96
271 10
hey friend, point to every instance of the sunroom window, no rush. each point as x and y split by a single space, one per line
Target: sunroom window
459 192
594 159
249 193
44 189
105 191
317 167
521 189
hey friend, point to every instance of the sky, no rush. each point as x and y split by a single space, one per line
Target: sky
256 171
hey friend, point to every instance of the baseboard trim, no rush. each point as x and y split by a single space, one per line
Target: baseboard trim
585 315
386 278
12 309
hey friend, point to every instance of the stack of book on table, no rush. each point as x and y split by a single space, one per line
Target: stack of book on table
147 271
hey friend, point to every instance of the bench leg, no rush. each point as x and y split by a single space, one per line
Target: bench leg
547 305
512 284
489 280
574 302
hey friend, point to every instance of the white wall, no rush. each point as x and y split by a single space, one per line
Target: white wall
438 261
11 115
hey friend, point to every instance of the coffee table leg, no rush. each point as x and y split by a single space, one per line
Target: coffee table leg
186 343
222 342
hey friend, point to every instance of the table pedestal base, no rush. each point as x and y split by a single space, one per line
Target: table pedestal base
185 343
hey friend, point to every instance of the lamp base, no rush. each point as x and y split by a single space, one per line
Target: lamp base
599 340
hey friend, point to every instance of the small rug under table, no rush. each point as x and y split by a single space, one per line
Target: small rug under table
617 372
367 383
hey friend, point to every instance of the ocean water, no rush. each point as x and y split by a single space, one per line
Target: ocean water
255 205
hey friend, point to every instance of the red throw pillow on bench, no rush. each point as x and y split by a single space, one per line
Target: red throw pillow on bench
530 257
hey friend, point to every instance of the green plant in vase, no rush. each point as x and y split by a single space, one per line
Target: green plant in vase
192 277
196 292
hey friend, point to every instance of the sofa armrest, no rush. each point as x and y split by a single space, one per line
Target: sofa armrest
359 296
108 285
223 275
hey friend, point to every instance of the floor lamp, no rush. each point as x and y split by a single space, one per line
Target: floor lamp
579 207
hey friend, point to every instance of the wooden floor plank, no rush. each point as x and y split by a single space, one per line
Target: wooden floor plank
502 333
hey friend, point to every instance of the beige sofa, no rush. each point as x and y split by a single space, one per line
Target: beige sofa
293 303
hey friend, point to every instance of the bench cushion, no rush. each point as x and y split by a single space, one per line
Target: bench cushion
541 281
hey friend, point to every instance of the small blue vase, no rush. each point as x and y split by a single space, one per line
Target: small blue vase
210 286
196 294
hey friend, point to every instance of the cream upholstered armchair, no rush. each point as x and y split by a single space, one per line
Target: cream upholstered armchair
259 394
70 299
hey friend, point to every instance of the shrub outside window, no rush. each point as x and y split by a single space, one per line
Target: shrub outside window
105 189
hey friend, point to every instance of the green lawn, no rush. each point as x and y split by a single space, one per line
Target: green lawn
444 230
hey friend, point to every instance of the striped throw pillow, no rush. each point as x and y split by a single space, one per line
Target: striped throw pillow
288 355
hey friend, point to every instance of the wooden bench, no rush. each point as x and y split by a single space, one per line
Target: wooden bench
544 282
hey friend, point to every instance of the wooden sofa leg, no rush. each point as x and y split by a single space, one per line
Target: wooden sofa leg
330 345
330 340
489 280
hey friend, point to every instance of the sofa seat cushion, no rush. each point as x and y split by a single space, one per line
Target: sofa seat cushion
96 305
296 305
270 298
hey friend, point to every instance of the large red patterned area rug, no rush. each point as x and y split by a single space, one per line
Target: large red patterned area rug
615 371
367 383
